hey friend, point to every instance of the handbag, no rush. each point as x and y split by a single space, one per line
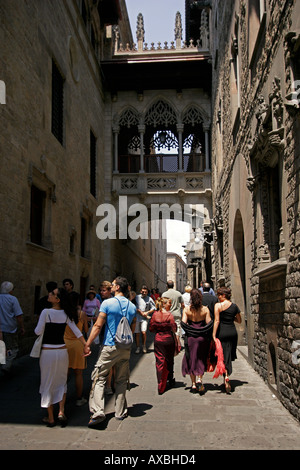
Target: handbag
96 340
177 344
36 349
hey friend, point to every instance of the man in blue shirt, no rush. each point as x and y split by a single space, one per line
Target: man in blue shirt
11 318
111 312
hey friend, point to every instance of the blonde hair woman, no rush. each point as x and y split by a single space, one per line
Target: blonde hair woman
163 325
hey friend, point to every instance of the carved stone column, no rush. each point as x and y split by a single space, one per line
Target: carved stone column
180 156
116 130
141 130
207 150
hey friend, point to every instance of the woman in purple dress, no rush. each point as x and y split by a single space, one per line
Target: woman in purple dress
197 325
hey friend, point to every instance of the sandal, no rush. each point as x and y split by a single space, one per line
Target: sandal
227 386
62 418
194 389
200 386
49 424
95 421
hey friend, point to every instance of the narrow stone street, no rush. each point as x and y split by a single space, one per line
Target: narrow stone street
251 418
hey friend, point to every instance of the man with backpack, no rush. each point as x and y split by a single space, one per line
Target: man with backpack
116 314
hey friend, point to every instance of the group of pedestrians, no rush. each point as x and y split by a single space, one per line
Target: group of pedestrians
206 321
69 330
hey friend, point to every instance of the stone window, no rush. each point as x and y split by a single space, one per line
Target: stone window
37 215
93 164
57 126
86 220
235 75
84 12
42 196
267 169
256 27
72 239
83 239
161 140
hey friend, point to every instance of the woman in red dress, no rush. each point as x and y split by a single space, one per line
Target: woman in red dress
163 324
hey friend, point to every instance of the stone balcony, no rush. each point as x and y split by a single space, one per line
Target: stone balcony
170 188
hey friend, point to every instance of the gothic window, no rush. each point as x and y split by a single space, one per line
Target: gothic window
193 140
160 114
192 116
128 118
129 144
161 142
164 139
57 103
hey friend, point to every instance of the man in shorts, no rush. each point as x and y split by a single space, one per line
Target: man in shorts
144 307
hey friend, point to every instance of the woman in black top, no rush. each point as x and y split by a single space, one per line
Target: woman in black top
54 360
226 313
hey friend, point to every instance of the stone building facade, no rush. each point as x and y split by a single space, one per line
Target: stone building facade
176 271
53 150
255 155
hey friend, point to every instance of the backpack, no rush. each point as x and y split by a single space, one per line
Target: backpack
123 337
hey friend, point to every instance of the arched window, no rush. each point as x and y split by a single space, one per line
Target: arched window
129 141
193 140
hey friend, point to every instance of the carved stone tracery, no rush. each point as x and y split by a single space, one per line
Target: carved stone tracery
266 150
268 141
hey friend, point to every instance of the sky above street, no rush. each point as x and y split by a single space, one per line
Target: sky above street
159 18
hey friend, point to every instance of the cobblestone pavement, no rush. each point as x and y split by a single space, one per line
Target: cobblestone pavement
251 418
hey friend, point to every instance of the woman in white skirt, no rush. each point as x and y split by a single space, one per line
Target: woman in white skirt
54 359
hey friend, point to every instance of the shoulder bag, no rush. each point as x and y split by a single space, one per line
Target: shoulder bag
36 349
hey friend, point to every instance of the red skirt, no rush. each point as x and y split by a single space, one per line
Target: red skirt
164 347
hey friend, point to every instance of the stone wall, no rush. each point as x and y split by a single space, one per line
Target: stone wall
33 34
255 140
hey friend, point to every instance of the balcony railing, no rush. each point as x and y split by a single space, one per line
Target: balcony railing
162 163
169 182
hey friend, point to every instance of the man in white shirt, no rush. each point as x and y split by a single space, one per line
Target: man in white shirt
144 306
11 320
177 304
